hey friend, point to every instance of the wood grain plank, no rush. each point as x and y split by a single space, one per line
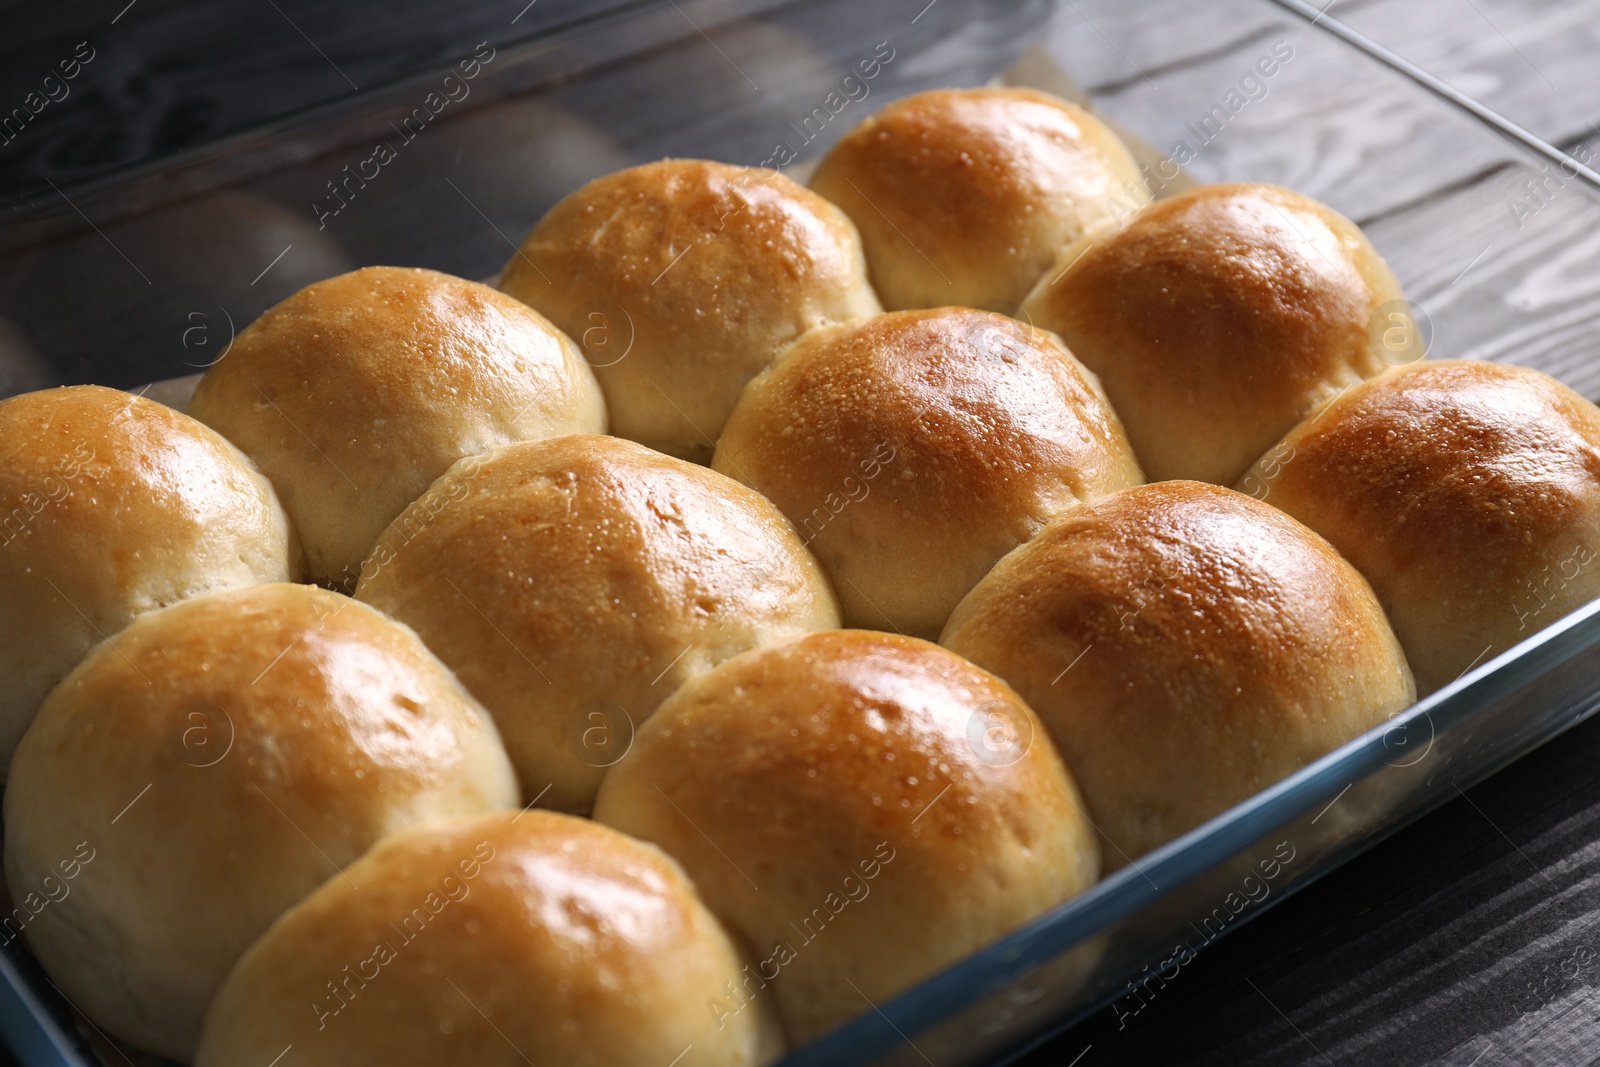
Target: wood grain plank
1505 284
1330 123
1476 929
1533 61
1107 43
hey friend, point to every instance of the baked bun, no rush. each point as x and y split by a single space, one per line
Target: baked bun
1186 647
209 766
356 392
914 449
111 505
862 808
495 939
680 280
1468 493
574 583
1218 318
966 196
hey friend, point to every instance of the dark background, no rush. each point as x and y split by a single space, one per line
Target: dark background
174 74
1429 948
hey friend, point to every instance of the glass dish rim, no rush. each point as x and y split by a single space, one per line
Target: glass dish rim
1182 860
320 114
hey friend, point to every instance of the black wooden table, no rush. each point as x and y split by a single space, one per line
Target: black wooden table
1467 939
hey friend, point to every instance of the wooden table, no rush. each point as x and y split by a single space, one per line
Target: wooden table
1466 939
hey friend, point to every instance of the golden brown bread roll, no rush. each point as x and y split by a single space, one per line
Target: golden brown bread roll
1218 318
574 583
1185 646
680 280
357 392
966 196
497 939
862 808
111 505
209 766
914 449
1468 493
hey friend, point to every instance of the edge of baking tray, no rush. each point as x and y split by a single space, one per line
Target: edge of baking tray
1181 861
562 51
1320 19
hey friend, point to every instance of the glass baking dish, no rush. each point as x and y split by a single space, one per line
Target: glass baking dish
145 277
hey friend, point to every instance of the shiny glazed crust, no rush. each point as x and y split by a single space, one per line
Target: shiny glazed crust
914 449
574 583
966 196
1186 646
216 761
1467 492
111 505
680 280
355 393
497 939
1217 319
860 807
